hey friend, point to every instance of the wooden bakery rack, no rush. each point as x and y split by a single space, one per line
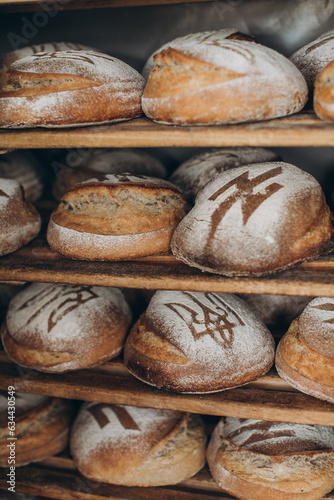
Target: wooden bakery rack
268 398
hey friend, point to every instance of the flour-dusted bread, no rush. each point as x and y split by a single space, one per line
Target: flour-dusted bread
78 168
192 175
69 88
19 221
255 220
259 460
220 77
41 427
276 310
57 328
137 446
23 167
9 57
314 57
323 100
194 342
116 217
305 355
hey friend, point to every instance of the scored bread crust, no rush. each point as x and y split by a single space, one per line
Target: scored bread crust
212 83
69 88
250 475
303 367
323 93
41 432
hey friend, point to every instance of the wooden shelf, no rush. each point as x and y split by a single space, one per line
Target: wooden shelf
30 5
303 129
37 262
269 398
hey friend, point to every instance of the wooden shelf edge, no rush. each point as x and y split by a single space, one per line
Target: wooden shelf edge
302 129
115 386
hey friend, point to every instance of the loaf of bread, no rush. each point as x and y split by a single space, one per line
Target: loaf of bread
255 220
56 328
314 57
23 167
137 446
305 355
116 217
324 93
192 175
259 460
69 88
19 221
78 168
194 342
41 427
221 77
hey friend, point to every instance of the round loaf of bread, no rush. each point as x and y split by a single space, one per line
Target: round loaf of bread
23 168
116 217
259 460
305 355
192 175
220 77
276 310
57 328
69 88
324 93
41 427
79 168
194 342
314 57
137 446
255 220
19 221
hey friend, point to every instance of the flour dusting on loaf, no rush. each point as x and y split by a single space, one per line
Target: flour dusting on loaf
316 325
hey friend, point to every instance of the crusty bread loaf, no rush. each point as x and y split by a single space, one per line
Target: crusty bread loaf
23 167
255 220
216 77
314 57
194 342
324 93
57 328
98 162
116 217
305 355
41 427
19 221
258 460
192 175
69 88
137 446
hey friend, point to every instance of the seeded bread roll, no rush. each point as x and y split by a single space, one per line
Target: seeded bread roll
78 168
137 446
219 77
192 175
56 328
314 57
116 217
255 220
19 221
305 355
324 93
23 168
258 460
41 427
193 342
69 88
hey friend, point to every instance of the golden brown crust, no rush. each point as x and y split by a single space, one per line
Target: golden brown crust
304 368
40 433
323 93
